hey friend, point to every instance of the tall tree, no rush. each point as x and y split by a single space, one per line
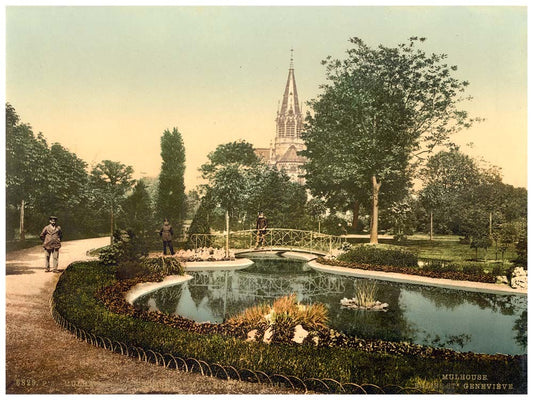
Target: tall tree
446 176
229 173
381 109
137 212
27 169
111 180
69 180
171 200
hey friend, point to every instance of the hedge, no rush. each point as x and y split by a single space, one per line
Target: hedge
76 300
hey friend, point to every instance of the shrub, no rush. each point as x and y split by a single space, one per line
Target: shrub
129 270
499 270
164 265
521 250
126 247
439 266
149 266
374 255
110 255
473 269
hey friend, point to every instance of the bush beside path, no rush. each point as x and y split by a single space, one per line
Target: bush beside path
41 358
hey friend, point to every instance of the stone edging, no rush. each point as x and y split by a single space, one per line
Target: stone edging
418 280
238 263
147 287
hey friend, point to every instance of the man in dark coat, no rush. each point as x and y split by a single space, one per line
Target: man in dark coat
51 236
261 225
166 234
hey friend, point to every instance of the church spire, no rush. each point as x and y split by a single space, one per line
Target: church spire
289 125
291 66
290 102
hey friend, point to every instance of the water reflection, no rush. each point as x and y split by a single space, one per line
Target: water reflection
463 321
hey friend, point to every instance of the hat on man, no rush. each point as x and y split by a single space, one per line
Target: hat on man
53 217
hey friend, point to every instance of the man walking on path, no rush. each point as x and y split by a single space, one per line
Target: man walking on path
51 237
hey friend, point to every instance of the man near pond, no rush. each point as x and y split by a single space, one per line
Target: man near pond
261 225
166 234
51 236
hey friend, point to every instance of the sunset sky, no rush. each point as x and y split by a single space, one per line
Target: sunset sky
105 82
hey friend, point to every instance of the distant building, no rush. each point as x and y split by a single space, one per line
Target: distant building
288 140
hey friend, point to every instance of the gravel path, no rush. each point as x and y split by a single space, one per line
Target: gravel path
41 358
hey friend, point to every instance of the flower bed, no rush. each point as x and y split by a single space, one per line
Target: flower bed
455 275
89 297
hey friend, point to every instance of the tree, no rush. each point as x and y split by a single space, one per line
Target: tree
201 223
27 173
239 184
272 192
171 191
69 181
229 172
446 176
193 199
137 212
316 208
111 180
382 109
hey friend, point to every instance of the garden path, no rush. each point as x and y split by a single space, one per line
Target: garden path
41 358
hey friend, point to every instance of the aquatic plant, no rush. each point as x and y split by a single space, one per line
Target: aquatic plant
365 293
285 311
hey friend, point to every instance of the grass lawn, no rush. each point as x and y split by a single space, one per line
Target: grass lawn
448 247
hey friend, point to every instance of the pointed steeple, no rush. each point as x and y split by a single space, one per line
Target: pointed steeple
290 102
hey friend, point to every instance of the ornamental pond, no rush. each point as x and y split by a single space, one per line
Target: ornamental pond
438 317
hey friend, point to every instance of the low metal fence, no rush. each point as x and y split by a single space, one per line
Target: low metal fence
228 372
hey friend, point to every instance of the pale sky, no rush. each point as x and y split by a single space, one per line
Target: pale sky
105 82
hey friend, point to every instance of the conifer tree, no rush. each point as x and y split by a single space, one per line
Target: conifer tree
171 192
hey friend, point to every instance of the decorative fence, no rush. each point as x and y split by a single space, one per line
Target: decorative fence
167 360
278 238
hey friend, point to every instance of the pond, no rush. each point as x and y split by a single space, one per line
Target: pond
456 319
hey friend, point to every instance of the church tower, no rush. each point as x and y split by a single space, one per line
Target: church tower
289 125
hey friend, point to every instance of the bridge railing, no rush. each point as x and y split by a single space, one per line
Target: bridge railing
273 238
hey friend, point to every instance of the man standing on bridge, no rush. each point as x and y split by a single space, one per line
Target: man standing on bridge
261 225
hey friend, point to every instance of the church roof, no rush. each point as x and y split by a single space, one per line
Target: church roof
291 156
263 153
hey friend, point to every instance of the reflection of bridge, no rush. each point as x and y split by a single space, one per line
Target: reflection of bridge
261 285
274 239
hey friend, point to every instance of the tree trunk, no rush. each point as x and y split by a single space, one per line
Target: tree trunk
112 224
355 219
431 225
227 235
375 196
22 229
